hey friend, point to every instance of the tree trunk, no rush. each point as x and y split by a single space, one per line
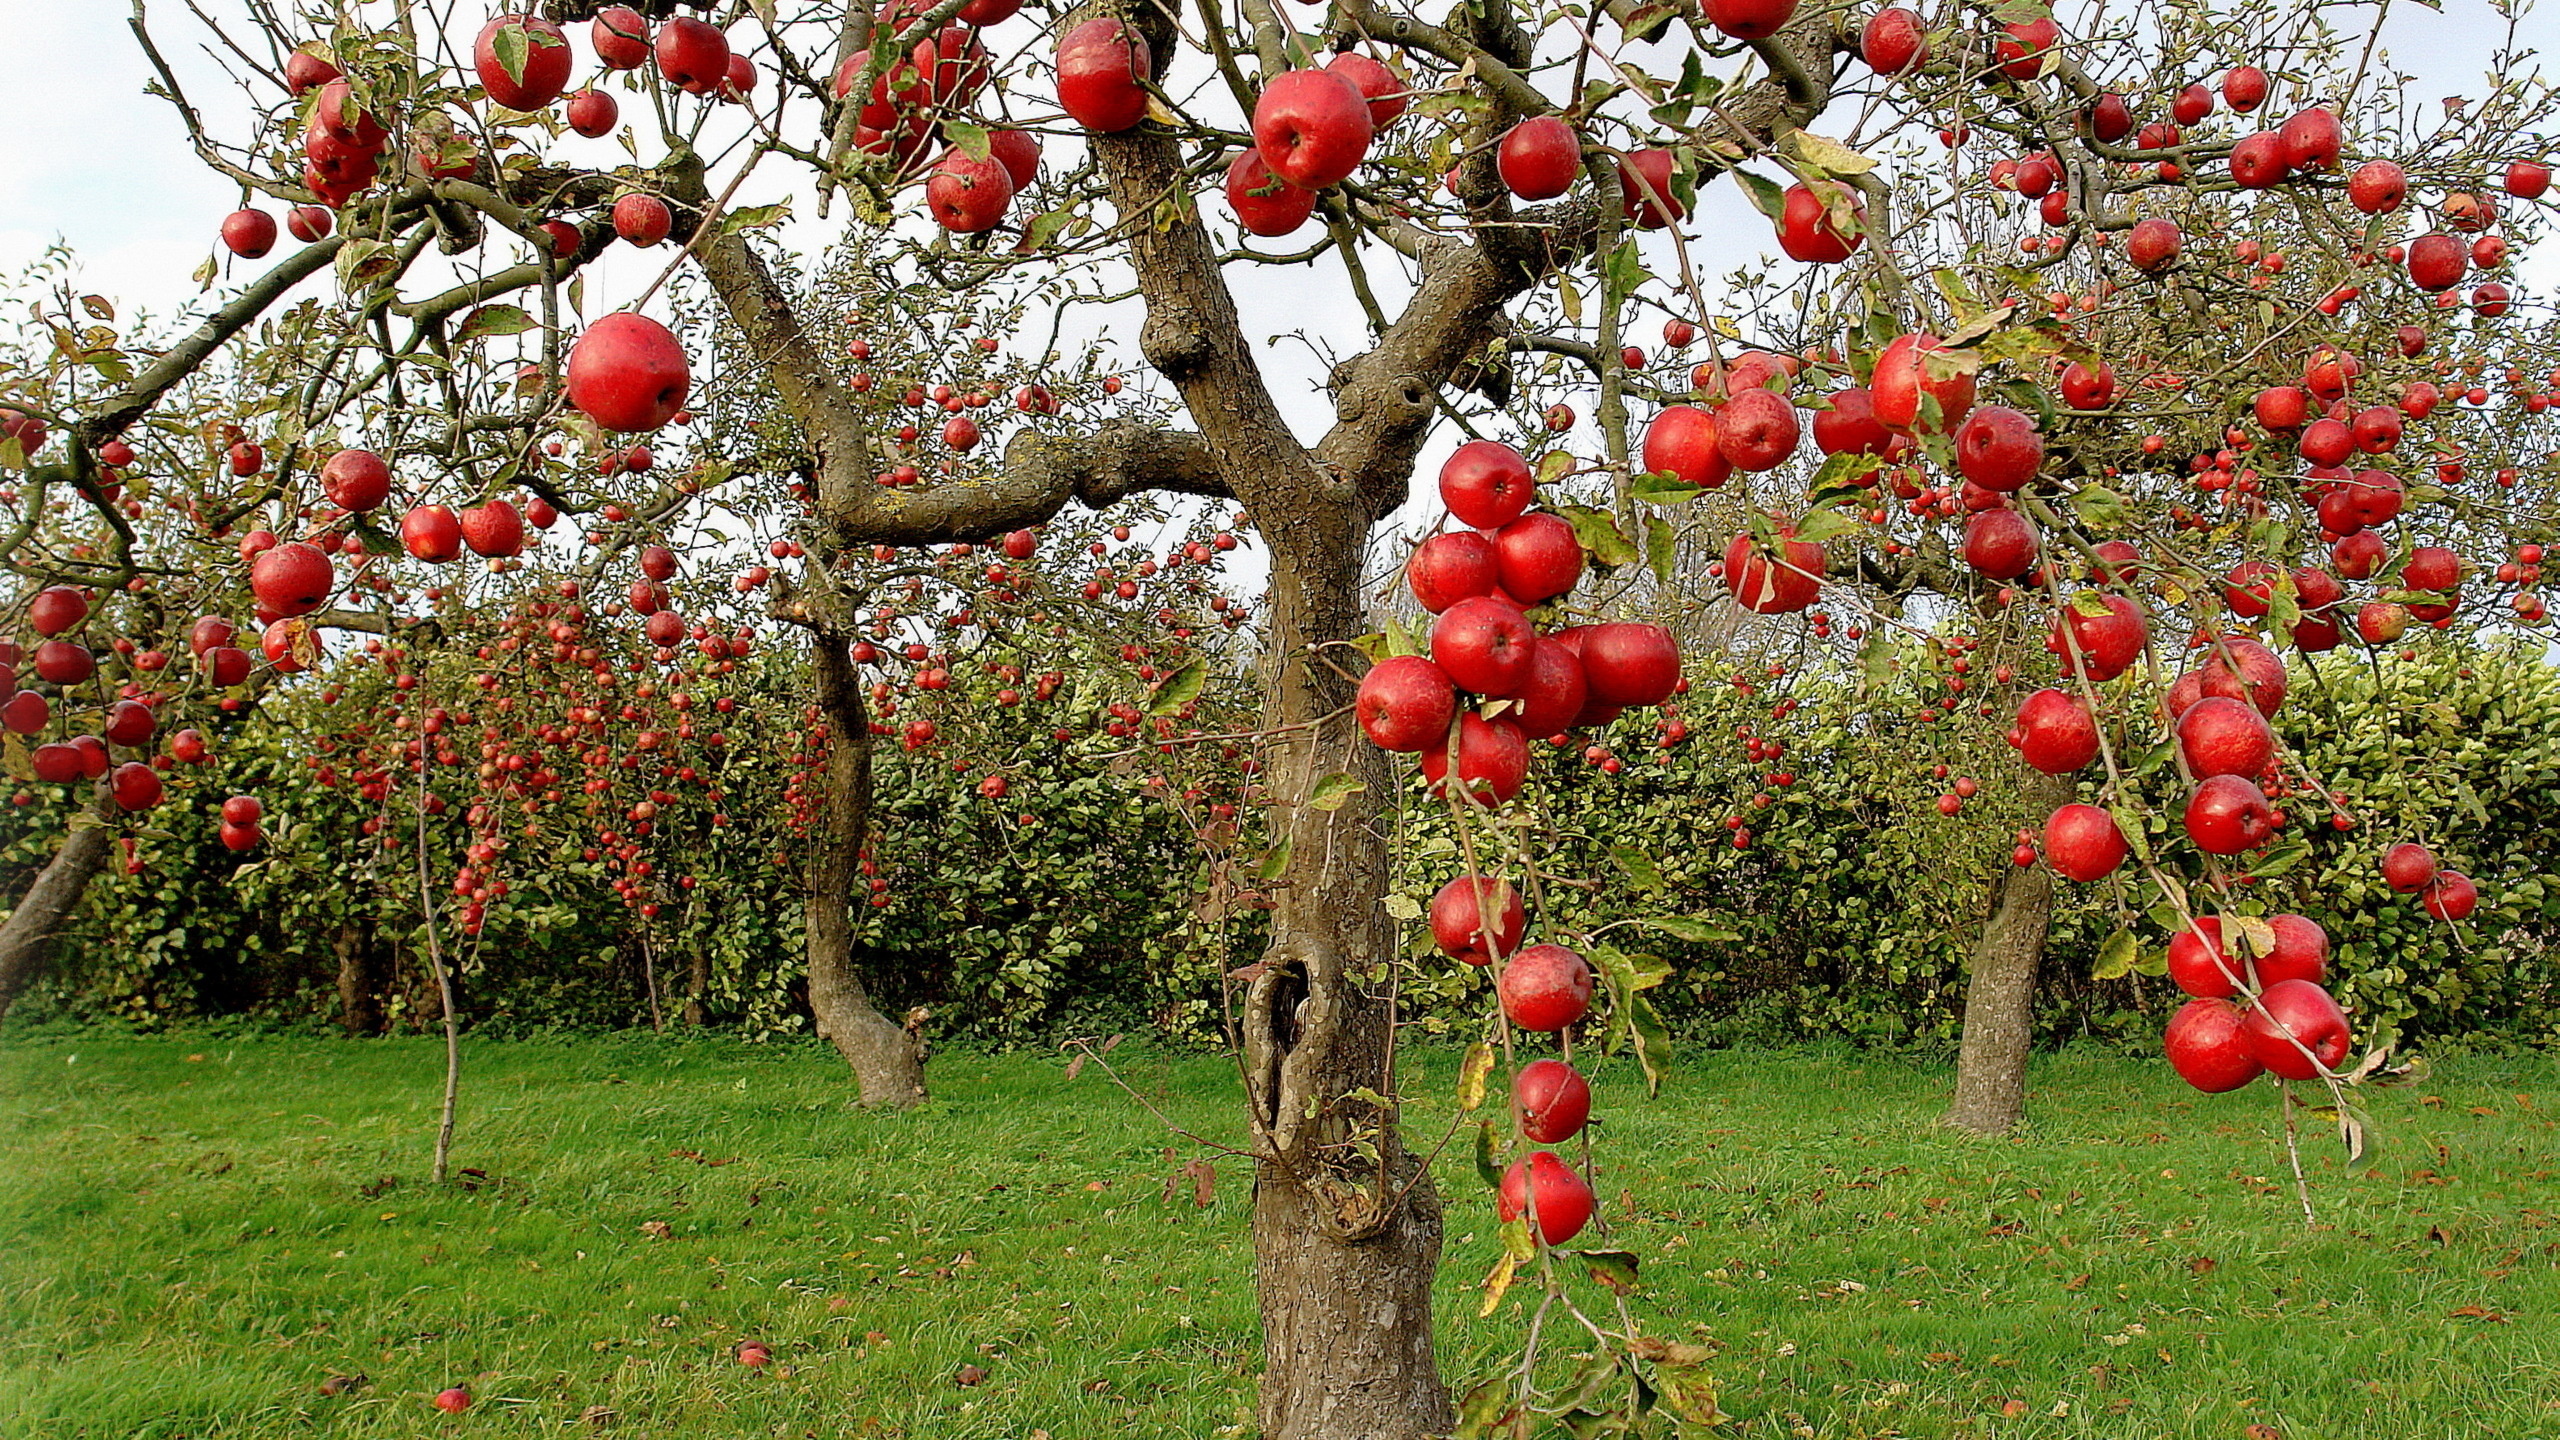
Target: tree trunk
26 940
697 987
1344 1251
359 981
887 1060
2000 992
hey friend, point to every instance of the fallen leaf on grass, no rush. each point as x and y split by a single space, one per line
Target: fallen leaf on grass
657 1229
597 1415
2263 1432
2202 1265
2012 1409
970 1375
2474 1312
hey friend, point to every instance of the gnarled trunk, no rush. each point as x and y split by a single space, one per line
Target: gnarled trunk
26 940
887 1060
1344 1252
2000 992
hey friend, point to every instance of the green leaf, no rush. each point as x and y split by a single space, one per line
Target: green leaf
1274 861
2100 508
1488 1155
1472 1073
1824 153
1661 487
1400 640
1691 929
1333 792
1764 194
513 48
1661 547
2116 957
2129 823
1638 865
755 217
971 139
1613 1268
1179 688
1599 534
1821 525
494 320
1555 465
1842 472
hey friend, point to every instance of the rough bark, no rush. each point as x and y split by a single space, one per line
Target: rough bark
2000 993
359 981
697 987
887 1061
26 940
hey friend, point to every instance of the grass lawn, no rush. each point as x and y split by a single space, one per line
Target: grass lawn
195 1232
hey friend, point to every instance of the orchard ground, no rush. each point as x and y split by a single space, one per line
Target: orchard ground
201 1229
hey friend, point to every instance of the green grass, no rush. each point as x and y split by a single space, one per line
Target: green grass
193 1233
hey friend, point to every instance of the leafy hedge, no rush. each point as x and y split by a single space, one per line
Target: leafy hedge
1849 913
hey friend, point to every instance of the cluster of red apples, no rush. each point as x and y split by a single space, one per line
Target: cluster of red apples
1494 681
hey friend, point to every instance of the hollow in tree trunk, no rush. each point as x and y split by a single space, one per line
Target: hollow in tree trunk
26 940
887 1060
2000 993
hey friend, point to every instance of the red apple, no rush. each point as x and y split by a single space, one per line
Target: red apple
1312 127
1487 484
2438 261
1101 64
1645 192
1493 760
2054 732
2081 842
249 233
2301 951
1756 430
1682 442
2311 140
292 579
643 220
2200 965
2450 896
2290 1017
2259 161
1457 919
628 372
135 786
2408 867
431 533
593 113
1406 703
2378 187
1905 373
1018 151
2099 646
1848 426
1562 1199
2228 814
693 55
621 37
1545 988
1555 694
1552 1100
1387 95
1773 583
966 194
1629 663
2000 544
1446 569
356 480
2220 736
1539 158
2153 246
1998 448
522 60
1484 646
310 223
129 723
2205 1046
1807 232
1264 204
1895 41
56 609
495 529
1537 557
